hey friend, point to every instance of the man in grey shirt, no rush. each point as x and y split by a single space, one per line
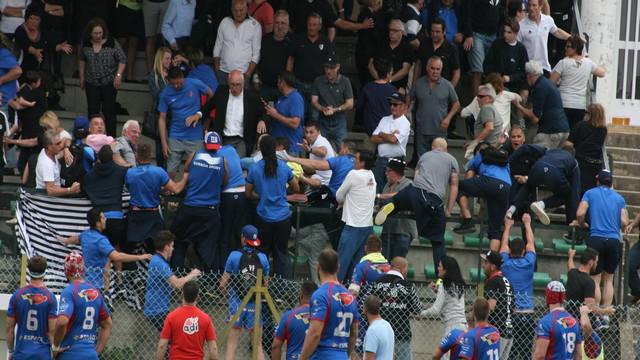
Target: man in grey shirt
436 105
397 234
488 125
436 172
331 98
125 151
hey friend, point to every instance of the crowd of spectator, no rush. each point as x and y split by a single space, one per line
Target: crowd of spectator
266 124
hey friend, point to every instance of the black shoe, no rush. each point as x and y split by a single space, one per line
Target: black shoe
454 136
465 227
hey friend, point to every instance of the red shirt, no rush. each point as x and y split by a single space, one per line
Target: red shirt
187 328
263 13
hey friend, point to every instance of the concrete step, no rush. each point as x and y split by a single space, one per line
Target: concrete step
133 97
630 196
621 182
624 153
629 139
626 168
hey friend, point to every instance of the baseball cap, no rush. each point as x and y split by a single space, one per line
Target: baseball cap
331 62
605 177
81 122
396 98
492 257
250 234
554 293
397 165
73 265
212 141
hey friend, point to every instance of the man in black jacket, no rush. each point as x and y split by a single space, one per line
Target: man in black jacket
238 114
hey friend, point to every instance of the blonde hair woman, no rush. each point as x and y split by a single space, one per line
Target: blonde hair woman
157 83
588 138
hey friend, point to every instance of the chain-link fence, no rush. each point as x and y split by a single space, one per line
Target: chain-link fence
135 335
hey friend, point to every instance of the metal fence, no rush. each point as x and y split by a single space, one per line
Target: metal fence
135 337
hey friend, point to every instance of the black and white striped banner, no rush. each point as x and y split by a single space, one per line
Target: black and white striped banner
42 219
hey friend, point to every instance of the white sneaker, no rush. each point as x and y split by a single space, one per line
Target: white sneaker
509 215
381 216
538 209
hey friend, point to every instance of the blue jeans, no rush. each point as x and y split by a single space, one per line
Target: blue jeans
351 249
334 129
395 245
481 45
496 192
403 350
378 172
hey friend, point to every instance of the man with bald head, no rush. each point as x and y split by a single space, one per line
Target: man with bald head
239 114
399 302
436 175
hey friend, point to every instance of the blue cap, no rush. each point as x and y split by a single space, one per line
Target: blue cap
250 234
81 122
212 141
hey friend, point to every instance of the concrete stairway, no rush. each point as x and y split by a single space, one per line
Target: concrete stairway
623 147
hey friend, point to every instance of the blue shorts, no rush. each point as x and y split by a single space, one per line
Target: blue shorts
481 45
609 252
329 354
247 317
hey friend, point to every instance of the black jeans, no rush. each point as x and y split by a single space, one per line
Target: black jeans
199 226
496 193
102 99
565 189
234 215
275 238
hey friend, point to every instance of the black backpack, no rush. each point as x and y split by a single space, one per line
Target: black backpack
76 171
247 273
493 156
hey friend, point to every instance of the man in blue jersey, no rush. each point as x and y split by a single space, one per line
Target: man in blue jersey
233 204
161 281
607 216
33 310
287 116
293 326
239 272
371 266
334 315
82 310
182 98
451 343
558 333
197 221
519 259
592 345
98 250
145 183
483 341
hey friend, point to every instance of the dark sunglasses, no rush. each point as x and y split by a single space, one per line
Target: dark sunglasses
394 104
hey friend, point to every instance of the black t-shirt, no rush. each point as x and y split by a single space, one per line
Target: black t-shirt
579 287
310 57
300 10
23 42
401 54
499 288
273 58
588 140
30 117
447 52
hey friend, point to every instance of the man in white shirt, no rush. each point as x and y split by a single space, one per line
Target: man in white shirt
48 167
357 195
318 148
534 33
237 43
391 136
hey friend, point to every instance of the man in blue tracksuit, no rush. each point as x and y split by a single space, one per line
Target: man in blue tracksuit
198 218
557 171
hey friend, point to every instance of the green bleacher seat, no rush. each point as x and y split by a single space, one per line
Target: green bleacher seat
473 240
377 230
541 279
448 239
430 272
299 260
411 272
476 275
561 246
563 279
536 240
